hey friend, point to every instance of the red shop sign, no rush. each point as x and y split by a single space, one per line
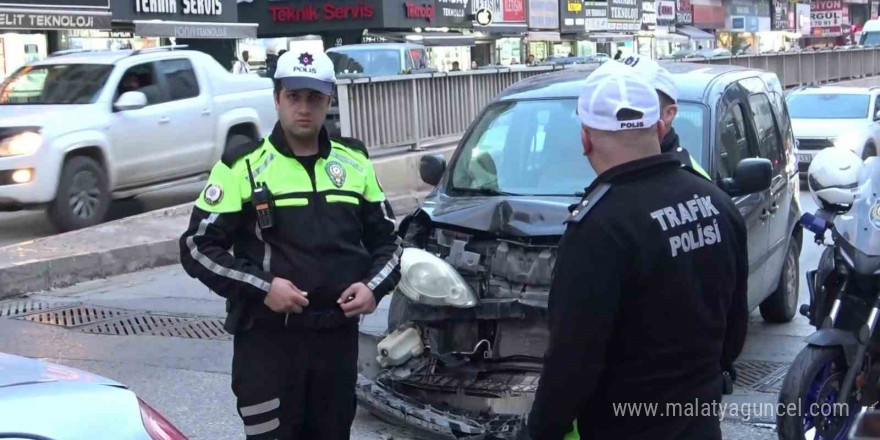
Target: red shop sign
309 13
419 11
514 10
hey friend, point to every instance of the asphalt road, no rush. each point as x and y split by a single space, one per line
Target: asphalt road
20 226
188 379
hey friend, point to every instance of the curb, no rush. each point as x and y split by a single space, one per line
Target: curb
18 279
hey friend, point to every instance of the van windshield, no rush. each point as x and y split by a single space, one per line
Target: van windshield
372 62
870 38
55 84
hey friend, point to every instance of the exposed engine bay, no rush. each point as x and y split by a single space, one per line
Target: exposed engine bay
462 369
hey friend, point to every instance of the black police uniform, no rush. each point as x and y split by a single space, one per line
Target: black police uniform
293 374
647 303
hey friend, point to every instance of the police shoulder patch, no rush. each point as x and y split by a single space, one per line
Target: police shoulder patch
213 194
587 203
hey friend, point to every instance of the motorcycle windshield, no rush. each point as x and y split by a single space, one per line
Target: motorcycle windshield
860 227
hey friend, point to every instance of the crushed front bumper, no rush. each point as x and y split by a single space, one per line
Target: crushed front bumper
434 423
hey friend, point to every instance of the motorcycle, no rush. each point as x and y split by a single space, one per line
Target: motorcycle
837 375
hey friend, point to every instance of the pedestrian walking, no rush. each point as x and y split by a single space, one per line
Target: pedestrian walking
313 248
271 63
241 67
648 300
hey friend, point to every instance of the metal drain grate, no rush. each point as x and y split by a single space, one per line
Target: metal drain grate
9 309
74 316
135 325
762 376
197 329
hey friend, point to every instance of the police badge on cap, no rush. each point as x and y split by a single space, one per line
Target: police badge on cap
213 194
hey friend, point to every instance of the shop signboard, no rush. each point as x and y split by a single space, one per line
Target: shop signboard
781 15
684 12
503 11
452 11
827 18
35 19
624 16
596 16
543 14
572 13
665 12
649 16
218 11
58 4
803 19
279 18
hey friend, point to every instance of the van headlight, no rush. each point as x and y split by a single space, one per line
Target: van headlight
429 280
20 144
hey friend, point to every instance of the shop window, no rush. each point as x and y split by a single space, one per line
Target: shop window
180 78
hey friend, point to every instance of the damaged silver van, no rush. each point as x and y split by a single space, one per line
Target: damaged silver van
457 350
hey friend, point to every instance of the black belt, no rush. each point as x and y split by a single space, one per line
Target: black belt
310 318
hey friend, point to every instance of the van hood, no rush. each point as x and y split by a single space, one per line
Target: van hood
516 216
826 128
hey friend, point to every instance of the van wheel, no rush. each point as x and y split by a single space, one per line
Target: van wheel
782 304
83 197
236 140
869 151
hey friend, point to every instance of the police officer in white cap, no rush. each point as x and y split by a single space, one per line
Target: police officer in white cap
648 298
667 92
313 249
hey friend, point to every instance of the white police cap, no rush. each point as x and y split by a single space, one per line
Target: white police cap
616 98
304 68
657 76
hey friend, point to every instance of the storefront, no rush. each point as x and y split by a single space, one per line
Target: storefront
29 29
544 37
657 38
784 35
573 27
709 16
613 26
746 19
500 39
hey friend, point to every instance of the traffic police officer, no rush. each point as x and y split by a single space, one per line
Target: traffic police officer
667 92
313 248
648 299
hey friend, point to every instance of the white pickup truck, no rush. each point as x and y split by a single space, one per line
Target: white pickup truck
78 130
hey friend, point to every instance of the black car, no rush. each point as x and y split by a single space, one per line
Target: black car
468 323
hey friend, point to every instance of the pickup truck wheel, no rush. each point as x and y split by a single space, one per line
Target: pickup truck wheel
236 140
82 198
782 304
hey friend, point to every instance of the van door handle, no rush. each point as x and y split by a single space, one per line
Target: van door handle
764 215
774 208
206 111
164 120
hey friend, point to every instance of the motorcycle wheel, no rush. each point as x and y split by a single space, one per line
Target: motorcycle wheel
811 387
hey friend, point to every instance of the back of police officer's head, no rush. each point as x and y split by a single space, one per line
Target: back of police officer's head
620 116
304 81
659 78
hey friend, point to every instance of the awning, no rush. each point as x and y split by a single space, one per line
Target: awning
600 37
675 38
439 39
694 33
180 29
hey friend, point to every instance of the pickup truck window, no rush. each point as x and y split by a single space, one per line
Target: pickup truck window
769 145
733 145
55 84
181 79
142 78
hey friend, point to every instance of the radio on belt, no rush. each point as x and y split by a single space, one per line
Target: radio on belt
262 200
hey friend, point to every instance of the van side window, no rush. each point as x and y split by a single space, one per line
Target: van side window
784 121
769 143
733 145
180 79
876 106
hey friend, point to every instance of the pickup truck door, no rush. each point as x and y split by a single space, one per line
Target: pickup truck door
138 136
734 144
191 117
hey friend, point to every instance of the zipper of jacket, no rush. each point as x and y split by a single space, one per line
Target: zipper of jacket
313 178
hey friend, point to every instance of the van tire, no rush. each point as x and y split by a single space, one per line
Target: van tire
83 197
781 306
869 151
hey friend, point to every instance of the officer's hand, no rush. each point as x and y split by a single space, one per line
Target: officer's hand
358 299
284 297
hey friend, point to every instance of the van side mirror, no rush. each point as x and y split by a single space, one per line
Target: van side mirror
431 168
130 101
752 175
